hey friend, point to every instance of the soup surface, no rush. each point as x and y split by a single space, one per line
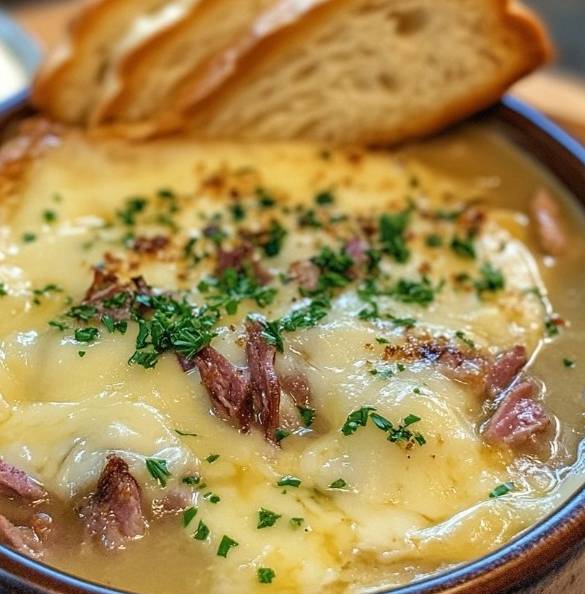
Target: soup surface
284 368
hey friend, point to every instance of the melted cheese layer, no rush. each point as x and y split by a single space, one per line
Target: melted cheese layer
404 511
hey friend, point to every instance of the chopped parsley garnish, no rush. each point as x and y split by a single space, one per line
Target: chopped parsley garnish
233 287
280 434
551 327
225 545
392 234
212 458
238 211
501 490
49 216
385 371
266 575
146 359
58 324
82 312
324 198
29 237
188 515
433 240
491 279
266 518
568 363
335 268
296 522
133 207
157 468
202 531
50 288
212 497
113 325
289 481
307 415
275 239
464 339
464 247
3 291
398 434
81 354
191 480
265 200
356 419
309 219
421 293
307 316
338 484
172 326
86 335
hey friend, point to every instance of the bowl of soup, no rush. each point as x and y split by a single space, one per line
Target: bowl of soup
289 367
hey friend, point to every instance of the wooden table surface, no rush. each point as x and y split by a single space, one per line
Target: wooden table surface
560 96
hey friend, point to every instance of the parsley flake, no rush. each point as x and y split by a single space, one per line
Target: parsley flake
289 481
266 575
501 490
157 468
266 518
188 515
338 484
202 531
307 415
86 335
225 545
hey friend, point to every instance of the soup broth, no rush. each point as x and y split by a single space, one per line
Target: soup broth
291 349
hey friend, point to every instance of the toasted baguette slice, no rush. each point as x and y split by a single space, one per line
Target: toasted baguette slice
71 81
363 71
146 77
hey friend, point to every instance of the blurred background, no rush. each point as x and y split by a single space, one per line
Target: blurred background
559 91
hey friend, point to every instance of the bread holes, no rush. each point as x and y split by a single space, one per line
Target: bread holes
387 81
409 22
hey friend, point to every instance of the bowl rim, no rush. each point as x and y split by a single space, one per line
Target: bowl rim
531 554
25 50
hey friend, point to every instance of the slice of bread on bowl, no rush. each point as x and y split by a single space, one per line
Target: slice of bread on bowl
340 71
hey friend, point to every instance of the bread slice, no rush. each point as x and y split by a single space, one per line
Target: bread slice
362 71
144 79
71 82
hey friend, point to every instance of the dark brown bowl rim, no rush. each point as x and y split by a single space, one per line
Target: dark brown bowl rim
529 556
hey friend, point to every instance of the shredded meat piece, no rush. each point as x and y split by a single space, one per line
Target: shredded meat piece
17 483
150 245
107 285
464 368
240 258
518 416
357 249
20 538
264 382
104 285
546 215
297 385
228 387
306 274
503 371
113 514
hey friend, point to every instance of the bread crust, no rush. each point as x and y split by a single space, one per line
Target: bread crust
205 88
49 80
54 75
